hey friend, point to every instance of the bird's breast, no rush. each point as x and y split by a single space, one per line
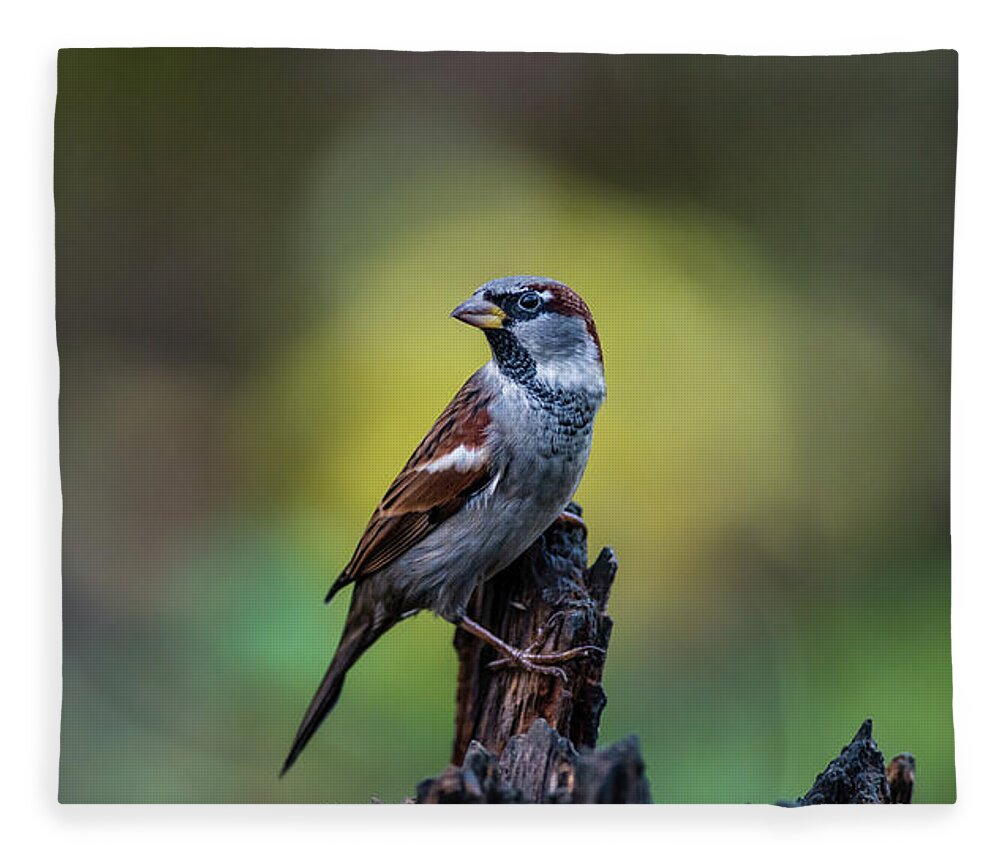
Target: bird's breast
543 450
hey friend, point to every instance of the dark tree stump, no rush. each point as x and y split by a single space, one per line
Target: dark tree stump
616 774
528 738
542 767
523 737
548 598
859 775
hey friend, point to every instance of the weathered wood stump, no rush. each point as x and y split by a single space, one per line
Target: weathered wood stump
541 766
523 737
529 738
548 599
859 775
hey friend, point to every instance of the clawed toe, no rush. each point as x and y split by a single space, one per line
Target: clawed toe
529 663
529 659
545 664
566 656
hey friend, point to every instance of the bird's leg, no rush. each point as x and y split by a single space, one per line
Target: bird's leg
546 659
545 664
568 518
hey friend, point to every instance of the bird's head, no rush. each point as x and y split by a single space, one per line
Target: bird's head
537 328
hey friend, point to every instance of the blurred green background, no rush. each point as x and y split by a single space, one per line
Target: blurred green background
257 254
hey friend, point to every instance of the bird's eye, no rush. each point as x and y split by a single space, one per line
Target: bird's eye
529 301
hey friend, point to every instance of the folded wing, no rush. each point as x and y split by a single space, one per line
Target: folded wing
451 464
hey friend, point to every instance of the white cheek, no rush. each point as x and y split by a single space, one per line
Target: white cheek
578 367
584 372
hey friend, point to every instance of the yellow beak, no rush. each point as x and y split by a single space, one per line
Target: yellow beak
479 313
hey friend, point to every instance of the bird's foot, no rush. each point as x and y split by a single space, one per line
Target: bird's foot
545 664
568 518
527 659
526 662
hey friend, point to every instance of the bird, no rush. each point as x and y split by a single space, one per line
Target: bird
497 468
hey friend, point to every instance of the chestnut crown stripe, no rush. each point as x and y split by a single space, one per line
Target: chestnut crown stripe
566 302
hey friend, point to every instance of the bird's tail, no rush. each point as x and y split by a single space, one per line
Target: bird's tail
359 635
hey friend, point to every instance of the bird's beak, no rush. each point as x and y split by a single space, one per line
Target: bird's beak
479 313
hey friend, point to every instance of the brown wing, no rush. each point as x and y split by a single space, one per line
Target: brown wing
450 464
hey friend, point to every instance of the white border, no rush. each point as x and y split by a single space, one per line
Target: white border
31 513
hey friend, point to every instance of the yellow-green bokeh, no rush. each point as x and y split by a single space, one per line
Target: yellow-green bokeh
771 466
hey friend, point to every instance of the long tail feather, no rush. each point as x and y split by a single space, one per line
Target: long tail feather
357 638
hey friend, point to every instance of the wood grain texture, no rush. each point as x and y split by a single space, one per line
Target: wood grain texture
528 738
551 600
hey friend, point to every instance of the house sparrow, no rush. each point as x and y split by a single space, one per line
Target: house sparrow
495 471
